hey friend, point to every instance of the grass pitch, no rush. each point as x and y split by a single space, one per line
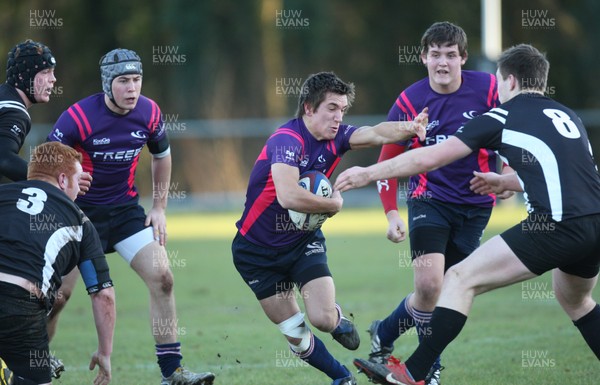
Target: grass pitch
515 335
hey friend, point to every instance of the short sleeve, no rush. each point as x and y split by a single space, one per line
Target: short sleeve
482 132
14 124
66 129
285 146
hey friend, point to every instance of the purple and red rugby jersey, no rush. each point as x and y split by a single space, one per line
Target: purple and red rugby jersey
264 222
448 113
109 143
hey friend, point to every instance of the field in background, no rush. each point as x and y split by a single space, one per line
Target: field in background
516 335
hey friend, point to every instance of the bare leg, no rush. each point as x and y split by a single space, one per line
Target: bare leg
152 265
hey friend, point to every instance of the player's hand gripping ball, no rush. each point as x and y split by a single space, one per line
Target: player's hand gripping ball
317 183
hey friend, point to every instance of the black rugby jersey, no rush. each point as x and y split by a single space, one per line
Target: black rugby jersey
547 145
15 124
44 235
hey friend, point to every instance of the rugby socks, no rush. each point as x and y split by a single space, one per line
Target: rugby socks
422 322
445 326
396 323
318 357
169 357
589 327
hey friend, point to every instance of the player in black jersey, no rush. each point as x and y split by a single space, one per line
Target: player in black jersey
29 80
548 147
43 236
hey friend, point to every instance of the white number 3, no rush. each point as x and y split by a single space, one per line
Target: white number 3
563 123
34 204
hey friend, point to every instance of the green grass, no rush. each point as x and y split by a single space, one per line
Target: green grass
224 330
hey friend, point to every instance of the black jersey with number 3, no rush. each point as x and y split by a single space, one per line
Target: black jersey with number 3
44 235
547 145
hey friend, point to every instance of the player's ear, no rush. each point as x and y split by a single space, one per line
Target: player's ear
463 58
63 181
308 109
512 81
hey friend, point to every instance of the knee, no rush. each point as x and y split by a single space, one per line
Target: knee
156 271
161 281
325 321
569 300
166 281
296 332
429 288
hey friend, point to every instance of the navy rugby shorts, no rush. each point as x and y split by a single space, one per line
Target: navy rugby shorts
268 271
454 230
115 223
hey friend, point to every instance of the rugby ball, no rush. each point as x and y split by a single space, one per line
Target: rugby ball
317 183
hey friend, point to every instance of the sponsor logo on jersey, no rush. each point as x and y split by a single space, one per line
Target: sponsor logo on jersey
117 156
57 134
253 281
139 134
321 159
435 139
16 129
470 114
422 216
314 248
433 124
98 142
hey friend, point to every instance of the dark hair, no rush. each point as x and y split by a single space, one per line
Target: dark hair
316 86
528 65
444 34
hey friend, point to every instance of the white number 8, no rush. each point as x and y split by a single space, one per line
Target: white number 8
563 123
34 203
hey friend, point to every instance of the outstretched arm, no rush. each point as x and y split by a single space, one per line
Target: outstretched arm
390 132
493 183
416 161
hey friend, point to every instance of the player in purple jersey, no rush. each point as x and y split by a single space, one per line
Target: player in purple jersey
272 256
110 130
446 219
43 236
547 146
